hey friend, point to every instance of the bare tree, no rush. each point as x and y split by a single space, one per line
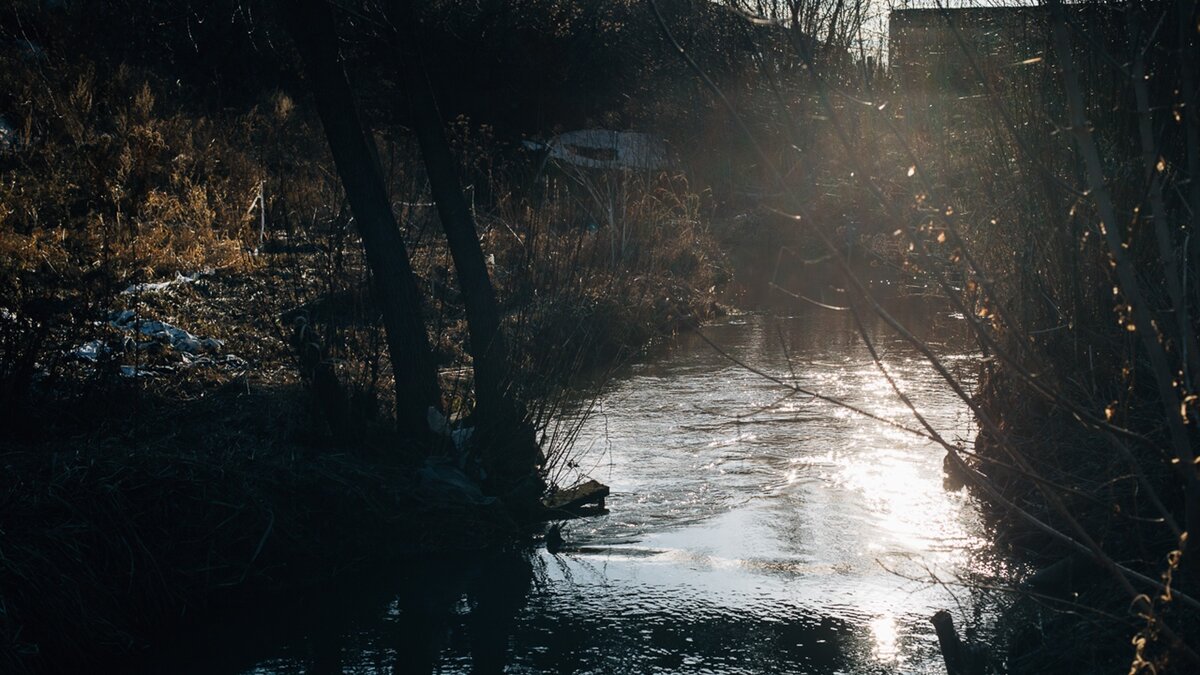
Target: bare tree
509 449
312 27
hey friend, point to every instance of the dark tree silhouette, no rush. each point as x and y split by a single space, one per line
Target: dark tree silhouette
509 448
311 24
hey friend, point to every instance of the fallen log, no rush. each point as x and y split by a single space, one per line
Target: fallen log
585 499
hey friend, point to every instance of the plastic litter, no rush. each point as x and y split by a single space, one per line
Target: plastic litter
164 333
440 482
231 361
159 286
606 149
193 351
438 424
8 136
91 351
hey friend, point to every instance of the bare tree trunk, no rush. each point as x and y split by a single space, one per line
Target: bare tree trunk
509 449
311 24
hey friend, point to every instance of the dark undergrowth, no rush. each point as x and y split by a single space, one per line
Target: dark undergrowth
1086 320
111 541
162 455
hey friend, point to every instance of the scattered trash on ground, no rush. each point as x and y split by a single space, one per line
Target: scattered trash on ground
92 351
438 424
232 361
9 140
440 482
159 286
156 337
605 149
164 333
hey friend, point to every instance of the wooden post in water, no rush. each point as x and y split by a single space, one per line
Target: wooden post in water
960 659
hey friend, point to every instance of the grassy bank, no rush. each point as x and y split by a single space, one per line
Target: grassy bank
159 238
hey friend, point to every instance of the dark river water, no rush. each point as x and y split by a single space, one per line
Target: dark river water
748 532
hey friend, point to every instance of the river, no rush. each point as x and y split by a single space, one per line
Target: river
748 532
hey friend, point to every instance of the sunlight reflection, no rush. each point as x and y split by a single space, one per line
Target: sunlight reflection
791 476
884 634
908 503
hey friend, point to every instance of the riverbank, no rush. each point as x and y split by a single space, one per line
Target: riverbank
165 454
112 540
1120 487
134 503
168 226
